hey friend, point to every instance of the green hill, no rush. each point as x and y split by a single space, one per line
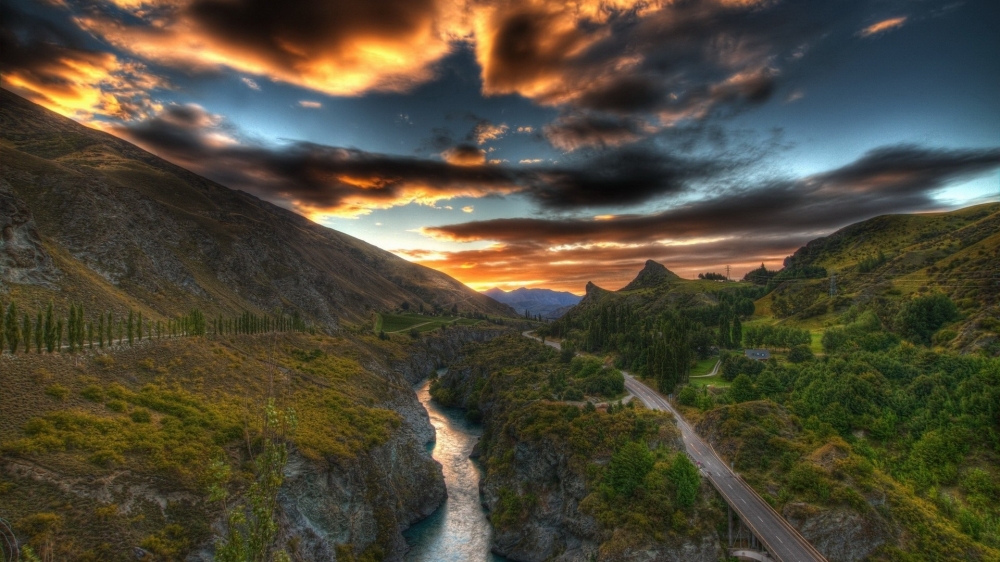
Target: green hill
883 262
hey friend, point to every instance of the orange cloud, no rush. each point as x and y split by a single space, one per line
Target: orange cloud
81 84
884 25
338 48
464 155
611 267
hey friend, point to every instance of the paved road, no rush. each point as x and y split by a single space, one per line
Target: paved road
778 536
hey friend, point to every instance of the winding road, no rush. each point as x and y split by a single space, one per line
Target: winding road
781 540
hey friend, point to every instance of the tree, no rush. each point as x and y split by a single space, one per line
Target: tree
742 389
251 526
737 332
405 305
685 477
921 317
59 335
11 328
39 333
628 467
50 328
688 396
26 332
800 353
131 326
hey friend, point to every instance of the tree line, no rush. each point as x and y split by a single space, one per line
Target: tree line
52 331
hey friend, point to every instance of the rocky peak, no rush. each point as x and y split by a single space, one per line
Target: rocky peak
652 275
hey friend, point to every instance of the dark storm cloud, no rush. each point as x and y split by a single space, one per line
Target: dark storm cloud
316 177
617 178
888 180
681 60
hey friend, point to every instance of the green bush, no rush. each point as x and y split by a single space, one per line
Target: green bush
57 391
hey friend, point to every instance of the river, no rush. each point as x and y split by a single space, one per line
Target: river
459 530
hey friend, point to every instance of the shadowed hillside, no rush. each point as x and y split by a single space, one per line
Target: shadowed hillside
91 218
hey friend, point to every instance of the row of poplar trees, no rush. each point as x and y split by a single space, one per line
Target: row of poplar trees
53 332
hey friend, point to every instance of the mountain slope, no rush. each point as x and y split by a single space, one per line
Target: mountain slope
88 216
548 303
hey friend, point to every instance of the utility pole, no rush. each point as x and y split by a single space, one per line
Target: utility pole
727 273
833 284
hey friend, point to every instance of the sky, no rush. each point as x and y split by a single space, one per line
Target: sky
541 143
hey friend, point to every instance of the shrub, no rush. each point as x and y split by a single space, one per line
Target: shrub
141 415
93 393
688 396
115 405
57 391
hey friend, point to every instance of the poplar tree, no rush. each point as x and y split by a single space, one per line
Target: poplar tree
80 327
90 334
50 329
26 332
39 332
111 324
59 332
737 333
139 325
71 327
131 327
10 327
100 330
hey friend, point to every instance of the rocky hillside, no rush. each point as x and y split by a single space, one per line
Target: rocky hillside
86 216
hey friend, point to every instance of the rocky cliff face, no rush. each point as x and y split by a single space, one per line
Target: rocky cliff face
364 504
23 259
434 351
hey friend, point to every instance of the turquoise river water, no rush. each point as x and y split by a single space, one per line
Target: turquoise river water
459 530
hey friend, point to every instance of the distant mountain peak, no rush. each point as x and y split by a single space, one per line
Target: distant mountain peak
652 275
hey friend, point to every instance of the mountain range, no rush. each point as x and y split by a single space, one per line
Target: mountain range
546 302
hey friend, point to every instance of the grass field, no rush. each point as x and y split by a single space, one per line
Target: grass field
391 323
704 366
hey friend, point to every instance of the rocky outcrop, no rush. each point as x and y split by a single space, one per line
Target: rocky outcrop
653 274
23 259
840 533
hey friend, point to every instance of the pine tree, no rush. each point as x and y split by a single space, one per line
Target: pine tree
10 327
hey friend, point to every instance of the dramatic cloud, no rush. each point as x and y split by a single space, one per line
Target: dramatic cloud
674 60
338 48
320 179
47 65
739 228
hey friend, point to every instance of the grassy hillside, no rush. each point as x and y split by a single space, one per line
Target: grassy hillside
103 451
884 262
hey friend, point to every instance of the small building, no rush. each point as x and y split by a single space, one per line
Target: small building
758 354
